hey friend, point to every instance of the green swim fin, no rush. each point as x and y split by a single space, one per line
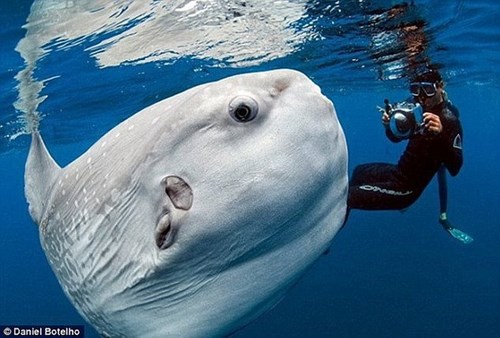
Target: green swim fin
456 233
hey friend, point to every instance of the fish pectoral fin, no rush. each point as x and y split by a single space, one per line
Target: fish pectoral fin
179 192
175 207
40 175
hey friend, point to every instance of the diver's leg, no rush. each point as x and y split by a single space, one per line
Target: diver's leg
377 186
372 172
381 196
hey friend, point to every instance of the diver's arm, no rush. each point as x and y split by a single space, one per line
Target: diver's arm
452 143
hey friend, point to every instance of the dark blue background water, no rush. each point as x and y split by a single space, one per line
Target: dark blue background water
388 274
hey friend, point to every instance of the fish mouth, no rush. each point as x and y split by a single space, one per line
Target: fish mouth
164 234
180 196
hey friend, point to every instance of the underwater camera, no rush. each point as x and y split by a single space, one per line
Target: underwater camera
405 118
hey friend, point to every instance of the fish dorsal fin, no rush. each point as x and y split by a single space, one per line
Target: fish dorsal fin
40 175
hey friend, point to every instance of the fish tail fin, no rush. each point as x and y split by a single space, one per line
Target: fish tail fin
40 175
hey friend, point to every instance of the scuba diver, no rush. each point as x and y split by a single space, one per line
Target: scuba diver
430 123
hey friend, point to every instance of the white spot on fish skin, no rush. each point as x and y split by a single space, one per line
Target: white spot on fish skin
107 209
104 154
84 191
115 195
117 135
131 127
43 226
64 192
274 92
103 144
76 203
89 160
77 176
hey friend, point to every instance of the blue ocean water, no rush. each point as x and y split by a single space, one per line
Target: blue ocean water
388 274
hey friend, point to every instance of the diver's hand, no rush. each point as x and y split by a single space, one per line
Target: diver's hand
432 123
385 118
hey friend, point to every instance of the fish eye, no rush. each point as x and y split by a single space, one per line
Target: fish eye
243 109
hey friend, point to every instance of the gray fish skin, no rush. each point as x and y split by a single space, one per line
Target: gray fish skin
195 215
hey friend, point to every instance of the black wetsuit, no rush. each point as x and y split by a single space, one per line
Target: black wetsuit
383 186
